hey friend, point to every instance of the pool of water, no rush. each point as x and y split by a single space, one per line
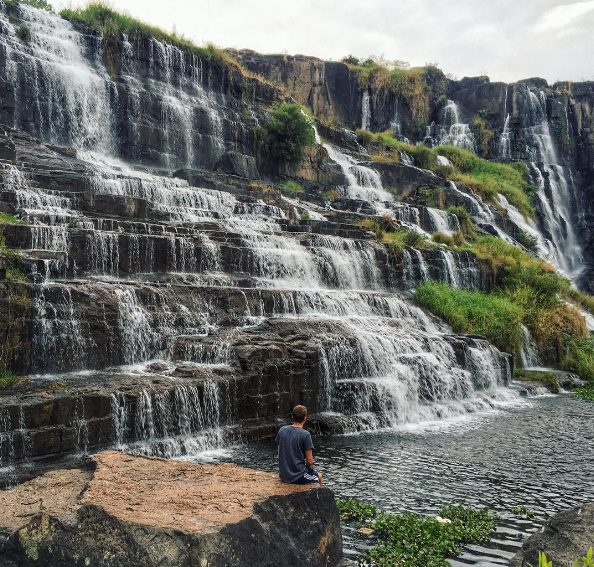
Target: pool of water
538 454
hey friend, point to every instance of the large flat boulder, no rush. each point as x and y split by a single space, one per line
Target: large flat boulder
129 511
565 537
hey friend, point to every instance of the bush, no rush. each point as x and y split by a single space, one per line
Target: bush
354 510
528 241
24 33
414 239
580 357
41 4
441 238
287 133
474 312
464 220
8 379
292 186
374 226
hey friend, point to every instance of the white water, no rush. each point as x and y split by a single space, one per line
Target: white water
366 111
452 131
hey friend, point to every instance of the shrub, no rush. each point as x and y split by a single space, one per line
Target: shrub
41 4
474 312
8 379
24 33
10 219
292 186
528 241
430 197
414 239
441 238
464 220
287 133
332 194
580 357
374 226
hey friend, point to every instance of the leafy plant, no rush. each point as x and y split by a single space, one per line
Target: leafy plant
305 216
528 241
549 378
287 133
523 511
292 186
414 239
8 379
585 393
24 33
412 540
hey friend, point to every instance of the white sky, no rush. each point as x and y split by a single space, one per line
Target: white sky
508 39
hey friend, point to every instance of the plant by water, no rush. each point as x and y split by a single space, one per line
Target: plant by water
412 540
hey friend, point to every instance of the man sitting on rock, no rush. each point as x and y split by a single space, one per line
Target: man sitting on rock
295 456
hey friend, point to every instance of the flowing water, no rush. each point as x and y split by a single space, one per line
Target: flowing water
538 454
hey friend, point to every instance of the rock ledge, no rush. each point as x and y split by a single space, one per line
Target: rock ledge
129 511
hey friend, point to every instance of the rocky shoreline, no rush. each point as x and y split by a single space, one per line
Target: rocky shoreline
127 511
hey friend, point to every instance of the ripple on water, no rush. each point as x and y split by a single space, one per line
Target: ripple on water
539 455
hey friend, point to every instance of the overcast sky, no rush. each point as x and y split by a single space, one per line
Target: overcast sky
508 39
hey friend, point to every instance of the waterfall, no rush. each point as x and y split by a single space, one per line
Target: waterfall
363 182
396 122
442 221
452 131
366 111
529 356
505 149
556 190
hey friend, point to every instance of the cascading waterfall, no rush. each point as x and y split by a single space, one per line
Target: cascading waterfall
366 111
174 273
452 131
556 191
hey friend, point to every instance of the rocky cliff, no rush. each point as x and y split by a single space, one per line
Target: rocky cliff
127 511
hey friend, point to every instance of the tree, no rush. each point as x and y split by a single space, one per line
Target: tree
288 132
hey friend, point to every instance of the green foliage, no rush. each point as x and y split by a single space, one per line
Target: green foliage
305 216
464 220
41 4
587 560
374 226
430 197
441 238
351 509
523 511
528 241
414 239
560 131
10 219
292 186
474 312
24 33
580 357
484 135
415 541
485 177
332 194
287 133
8 379
548 378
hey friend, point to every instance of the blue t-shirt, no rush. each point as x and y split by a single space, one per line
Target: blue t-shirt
293 442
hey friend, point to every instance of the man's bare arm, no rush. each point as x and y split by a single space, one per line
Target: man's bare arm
309 457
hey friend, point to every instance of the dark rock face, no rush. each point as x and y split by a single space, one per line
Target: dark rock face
565 538
260 522
238 164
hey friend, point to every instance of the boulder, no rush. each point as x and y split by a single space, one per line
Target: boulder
567 536
235 163
127 511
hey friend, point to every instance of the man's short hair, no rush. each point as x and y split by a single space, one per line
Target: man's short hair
299 414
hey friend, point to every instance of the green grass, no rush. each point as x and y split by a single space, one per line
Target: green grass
102 17
548 378
10 219
474 312
580 357
412 540
8 379
485 177
292 187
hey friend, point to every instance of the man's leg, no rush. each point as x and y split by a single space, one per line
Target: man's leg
310 476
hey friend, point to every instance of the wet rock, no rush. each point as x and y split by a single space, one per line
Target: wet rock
565 538
235 163
128 511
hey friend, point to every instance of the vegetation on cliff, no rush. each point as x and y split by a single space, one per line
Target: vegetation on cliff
418 87
412 540
527 293
287 133
486 178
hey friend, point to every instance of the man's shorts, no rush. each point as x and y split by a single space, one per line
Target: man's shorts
310 476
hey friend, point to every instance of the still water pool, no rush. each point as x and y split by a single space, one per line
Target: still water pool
538 454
